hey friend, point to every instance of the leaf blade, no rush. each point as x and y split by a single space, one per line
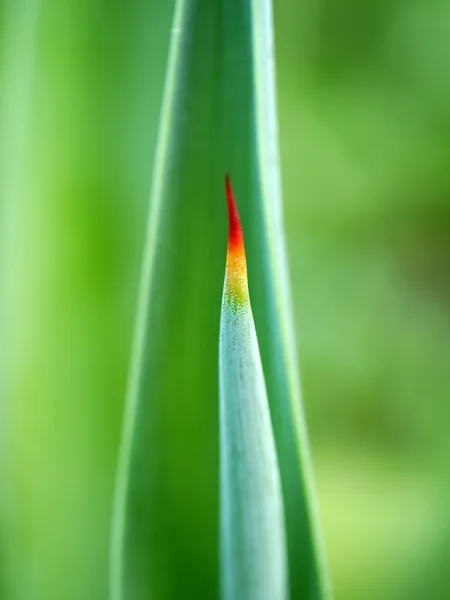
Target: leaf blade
309 576
213 125
160 499
252 516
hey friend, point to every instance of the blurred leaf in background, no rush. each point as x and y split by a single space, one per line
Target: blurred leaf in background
71 270
365 137
364 107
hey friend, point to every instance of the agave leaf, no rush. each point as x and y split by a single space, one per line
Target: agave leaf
218 114
252 519
269 284
165 541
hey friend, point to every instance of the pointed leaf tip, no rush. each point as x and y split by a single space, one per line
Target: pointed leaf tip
236 286
252 527
234 222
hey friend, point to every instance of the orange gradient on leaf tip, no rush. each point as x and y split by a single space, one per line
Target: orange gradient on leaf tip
236 271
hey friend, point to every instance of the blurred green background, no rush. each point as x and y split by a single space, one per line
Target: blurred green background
364 110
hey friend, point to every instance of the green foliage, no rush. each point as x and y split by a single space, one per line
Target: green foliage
70 242
218 114
364 97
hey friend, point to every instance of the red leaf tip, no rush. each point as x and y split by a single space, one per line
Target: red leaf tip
234 222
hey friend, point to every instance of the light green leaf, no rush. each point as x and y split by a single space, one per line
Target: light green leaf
252 520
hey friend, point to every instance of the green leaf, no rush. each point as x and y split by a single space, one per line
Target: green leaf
252 520
271 301
165 529
218 115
